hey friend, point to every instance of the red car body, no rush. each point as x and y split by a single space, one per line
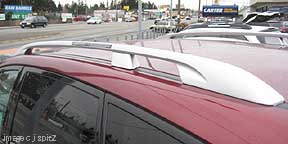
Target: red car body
80 18
214 117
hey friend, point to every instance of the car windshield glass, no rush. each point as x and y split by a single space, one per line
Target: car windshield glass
29 19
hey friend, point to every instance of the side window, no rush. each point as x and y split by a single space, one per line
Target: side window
51 107
33 86
7 80
125 128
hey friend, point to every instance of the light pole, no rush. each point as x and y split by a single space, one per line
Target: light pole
170 16
171 10
86 6
116 6
140 19
199 7
178 7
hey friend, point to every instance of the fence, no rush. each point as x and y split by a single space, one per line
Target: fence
145 34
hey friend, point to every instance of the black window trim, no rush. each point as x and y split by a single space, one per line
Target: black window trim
89 89
11 103
154 120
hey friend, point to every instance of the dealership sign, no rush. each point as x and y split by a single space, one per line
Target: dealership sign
2 17
20 16
18 9
66 15
219 11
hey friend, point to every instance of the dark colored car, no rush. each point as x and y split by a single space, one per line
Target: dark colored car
102 93
34 21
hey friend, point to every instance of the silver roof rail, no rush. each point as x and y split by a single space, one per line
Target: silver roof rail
219 33
216 33
193 70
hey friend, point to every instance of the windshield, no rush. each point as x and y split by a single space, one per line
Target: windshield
29 19
95 18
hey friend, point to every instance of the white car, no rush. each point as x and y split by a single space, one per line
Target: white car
260 17
130 19
94 20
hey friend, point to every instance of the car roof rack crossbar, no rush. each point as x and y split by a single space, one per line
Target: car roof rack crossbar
193 70
219 33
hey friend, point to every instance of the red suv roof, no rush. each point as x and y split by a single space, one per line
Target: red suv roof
214 117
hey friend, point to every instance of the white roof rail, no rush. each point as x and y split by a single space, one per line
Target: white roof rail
194 70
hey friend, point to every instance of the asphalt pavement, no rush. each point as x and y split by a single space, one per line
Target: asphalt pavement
14 37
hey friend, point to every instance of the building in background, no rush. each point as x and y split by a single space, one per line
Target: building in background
269 5
244 11
109 15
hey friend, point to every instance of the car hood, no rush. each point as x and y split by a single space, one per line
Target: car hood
90 20
24 21
267 63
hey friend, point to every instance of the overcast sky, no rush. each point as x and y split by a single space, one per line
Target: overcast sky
187 3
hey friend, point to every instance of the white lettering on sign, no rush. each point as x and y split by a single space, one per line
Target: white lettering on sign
16 8
23 8
2 17
213 10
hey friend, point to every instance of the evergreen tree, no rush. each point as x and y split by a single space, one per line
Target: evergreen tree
59 7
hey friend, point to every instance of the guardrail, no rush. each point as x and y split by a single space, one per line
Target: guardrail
145 34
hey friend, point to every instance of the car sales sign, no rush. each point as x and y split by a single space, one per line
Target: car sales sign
2 17
18 9
220 10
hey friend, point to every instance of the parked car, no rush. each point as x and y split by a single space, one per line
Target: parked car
80 18
269 19
219 33
260 17
94 20
223 94
130 19
284 27
164 26
34 21
218 25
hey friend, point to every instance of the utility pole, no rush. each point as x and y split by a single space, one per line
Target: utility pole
199 8
78 7
178 7
116 6
170 15
86 8
140 19
171 10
